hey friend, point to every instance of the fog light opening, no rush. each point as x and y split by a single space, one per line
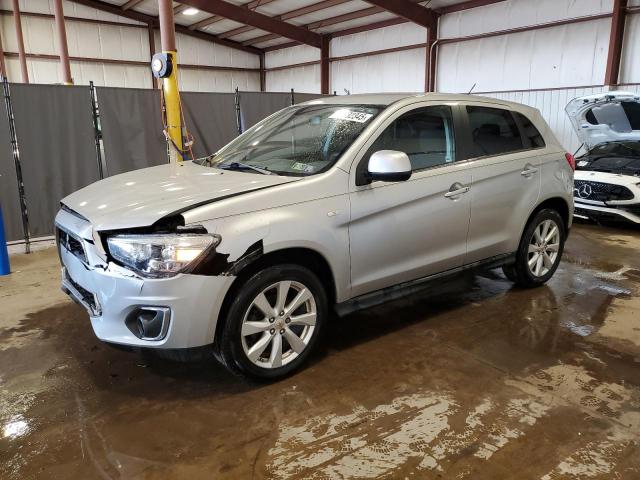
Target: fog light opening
149 323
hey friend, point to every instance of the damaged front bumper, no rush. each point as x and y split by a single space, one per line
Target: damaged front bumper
120 302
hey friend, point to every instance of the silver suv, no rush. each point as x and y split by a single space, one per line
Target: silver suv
331 205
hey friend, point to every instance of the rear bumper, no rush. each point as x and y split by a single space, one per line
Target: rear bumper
583 210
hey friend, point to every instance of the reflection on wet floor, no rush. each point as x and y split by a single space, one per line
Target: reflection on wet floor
474 380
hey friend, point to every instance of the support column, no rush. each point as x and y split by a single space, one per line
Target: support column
20 40
3 68
431 59
263 74
616 39
62 42
324 65
170 83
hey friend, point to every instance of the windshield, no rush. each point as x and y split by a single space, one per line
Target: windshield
297 141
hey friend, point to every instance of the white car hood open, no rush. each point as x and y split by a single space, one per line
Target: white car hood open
611 120
142 197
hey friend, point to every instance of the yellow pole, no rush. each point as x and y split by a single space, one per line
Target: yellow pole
172 104
170 83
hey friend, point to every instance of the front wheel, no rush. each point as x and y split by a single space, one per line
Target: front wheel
540 250
274 322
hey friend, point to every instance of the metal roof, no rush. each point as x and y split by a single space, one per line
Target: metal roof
319 16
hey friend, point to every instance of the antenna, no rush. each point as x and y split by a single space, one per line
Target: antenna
474 86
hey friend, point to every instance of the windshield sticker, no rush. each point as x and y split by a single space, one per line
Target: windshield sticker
583 163
303 167
345 114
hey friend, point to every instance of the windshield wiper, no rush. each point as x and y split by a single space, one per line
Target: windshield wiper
243 166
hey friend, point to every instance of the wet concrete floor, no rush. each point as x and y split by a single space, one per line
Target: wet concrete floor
479 381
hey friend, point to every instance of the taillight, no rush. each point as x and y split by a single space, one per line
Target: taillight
571 159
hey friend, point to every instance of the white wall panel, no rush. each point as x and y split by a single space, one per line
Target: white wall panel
563 56
70 10
379 39
630 65
192 80
402 71
291 56
517 13
301 79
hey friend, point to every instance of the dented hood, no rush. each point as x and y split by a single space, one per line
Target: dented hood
605 117
142 197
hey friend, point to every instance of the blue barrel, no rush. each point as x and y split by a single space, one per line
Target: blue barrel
4 253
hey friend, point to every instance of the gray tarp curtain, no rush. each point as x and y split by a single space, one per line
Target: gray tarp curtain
254 106
211 120
57 150
54 127
9 201
131 128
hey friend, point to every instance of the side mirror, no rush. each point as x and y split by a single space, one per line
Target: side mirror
389 166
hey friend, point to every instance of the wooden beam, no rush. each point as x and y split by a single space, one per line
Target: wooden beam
616 39
130 4
406 9
153 21
257 20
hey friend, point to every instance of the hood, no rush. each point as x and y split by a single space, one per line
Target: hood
604 177
605 117
142 197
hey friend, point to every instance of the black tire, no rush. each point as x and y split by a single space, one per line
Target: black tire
520 270
229 346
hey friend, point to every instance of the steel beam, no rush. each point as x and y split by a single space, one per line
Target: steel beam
616 39
324 66
63 48
151 20
458 7
130 4
257 20
406 9
20 41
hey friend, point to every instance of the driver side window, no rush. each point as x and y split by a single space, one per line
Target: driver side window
425 135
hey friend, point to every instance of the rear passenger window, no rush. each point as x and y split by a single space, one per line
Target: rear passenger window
494 131
530 131
425 135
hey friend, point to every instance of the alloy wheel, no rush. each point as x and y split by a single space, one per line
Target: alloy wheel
543 248
279 324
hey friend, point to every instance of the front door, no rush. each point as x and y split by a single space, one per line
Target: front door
402 231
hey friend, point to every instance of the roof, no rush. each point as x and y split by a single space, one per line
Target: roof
263 25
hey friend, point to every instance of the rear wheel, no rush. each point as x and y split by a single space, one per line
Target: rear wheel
274 322
540 250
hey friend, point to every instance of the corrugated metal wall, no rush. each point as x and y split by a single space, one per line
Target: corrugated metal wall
114 42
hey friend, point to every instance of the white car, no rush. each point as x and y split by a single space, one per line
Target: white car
339 203
607 177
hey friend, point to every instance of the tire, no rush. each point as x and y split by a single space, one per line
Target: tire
545 263
251 339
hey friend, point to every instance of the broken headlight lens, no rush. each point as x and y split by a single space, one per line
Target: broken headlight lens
158 255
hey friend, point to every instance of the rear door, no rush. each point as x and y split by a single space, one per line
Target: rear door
505 149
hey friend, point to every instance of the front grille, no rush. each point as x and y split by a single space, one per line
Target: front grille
600 192
72 244
81 295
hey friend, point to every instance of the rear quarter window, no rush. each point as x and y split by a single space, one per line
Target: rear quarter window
530 131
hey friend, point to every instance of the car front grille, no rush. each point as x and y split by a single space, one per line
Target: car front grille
600 192
72 244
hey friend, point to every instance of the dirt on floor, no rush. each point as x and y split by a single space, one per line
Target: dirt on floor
477 380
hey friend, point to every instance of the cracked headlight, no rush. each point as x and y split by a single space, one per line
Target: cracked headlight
160 255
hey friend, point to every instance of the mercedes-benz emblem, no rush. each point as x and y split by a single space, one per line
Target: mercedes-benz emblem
583 191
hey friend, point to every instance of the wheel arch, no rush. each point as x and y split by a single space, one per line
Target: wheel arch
558 204
302 256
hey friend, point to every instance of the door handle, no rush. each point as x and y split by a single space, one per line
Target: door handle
456 190
528 171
